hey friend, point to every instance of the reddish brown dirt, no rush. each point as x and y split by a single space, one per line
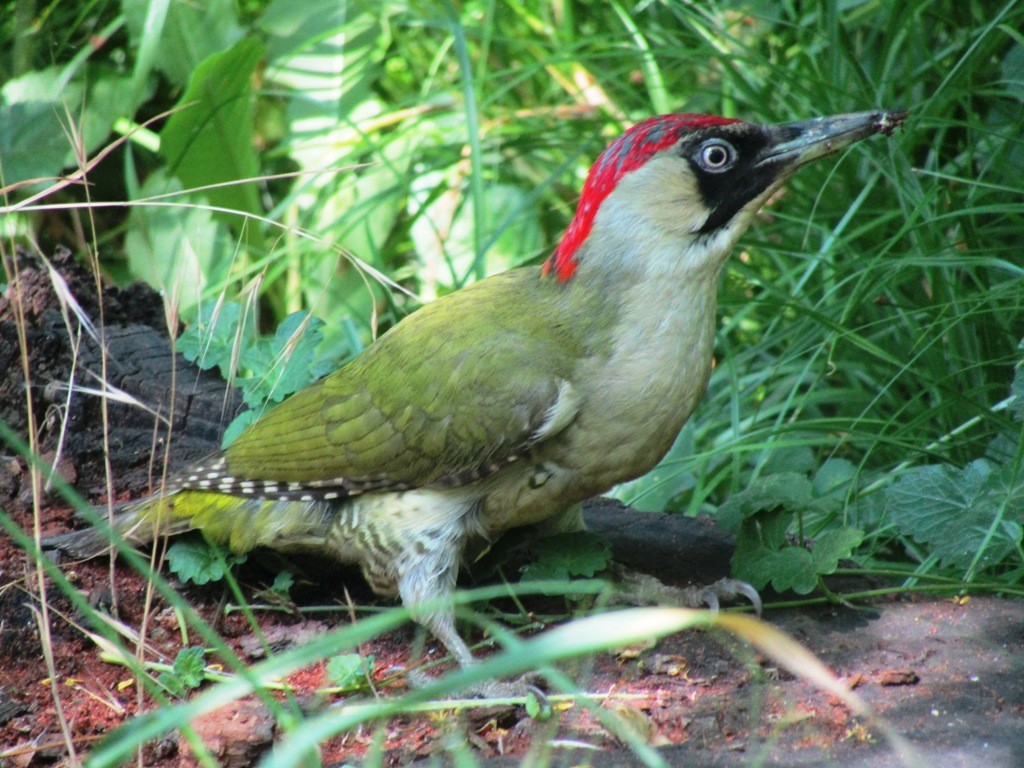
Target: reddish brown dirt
949 675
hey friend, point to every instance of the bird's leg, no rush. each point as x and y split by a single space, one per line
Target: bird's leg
425 585
643 589
440 621
426 581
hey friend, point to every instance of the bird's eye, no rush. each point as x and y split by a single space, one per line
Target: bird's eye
716 155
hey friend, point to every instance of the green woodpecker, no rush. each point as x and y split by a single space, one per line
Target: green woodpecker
507 403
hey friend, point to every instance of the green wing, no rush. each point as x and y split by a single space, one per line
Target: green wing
457 388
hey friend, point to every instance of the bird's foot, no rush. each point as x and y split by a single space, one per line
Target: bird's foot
529 684
520 688
728 589
643 589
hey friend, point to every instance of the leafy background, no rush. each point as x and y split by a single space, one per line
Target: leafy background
294 157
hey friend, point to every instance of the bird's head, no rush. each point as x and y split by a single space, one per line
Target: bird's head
694 180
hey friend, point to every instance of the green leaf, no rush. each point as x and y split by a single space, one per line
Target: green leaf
358 211
172 683
1003 448
762 515
37 108
280 365
283 364
32 143
213 338
1013 71
789 568
790 458
544 571
209 140
283 583
834 479
184 36
970 516
199 562
443 235
537 709
788 490
832 546
349 671
188 671
565 555
179 250
329 52
330 56
238 425
190 665
793 567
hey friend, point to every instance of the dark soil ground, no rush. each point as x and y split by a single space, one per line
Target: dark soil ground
948 674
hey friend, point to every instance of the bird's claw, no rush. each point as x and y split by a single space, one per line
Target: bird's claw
519 688
729 589
644 589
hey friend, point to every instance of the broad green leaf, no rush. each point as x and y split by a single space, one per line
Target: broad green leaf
762 514
178 249
357 210
199 562
183 36
213 338
790 568
172 683
545 571
189 671
965 515
788 490
567 555
210 139
283 583
834 478
32 143
790 458
330 55
832 546
38 110
349 671
1013 70
238 425
1003 448
834 486
190 665
769 528
283 364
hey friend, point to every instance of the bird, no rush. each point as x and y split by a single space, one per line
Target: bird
505 404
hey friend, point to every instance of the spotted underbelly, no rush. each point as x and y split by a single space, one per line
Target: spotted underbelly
387 534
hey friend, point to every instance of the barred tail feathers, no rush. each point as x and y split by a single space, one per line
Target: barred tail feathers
243 523
138 522
238 522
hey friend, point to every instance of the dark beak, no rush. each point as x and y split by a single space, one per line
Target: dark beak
798 143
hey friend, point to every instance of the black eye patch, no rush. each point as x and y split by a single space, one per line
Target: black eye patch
727 187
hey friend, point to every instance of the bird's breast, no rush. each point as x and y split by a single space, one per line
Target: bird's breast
649 384
633 400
